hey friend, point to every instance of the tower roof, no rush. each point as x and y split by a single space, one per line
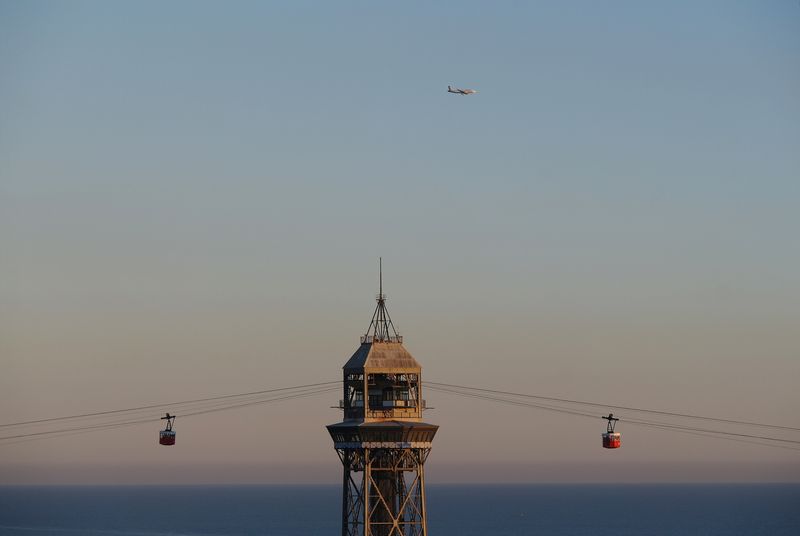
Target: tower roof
382 355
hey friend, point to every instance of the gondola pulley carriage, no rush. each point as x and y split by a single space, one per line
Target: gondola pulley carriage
611 439
167 435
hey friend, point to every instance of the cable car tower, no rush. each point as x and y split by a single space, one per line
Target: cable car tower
382 441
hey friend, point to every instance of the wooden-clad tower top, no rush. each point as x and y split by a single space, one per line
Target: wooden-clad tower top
382 380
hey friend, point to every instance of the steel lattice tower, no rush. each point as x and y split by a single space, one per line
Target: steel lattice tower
382 441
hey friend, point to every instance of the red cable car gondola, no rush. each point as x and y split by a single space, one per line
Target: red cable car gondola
167 436
611 439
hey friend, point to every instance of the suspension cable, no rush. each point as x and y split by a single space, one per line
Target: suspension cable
151 406
718 433
206 405
97 427
615 406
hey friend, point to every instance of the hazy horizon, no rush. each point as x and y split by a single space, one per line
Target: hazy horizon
439 471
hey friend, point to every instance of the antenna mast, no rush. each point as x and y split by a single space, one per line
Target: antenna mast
381 328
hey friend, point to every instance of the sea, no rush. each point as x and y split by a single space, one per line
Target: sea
454 510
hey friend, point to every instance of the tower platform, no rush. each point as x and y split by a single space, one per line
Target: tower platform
383 434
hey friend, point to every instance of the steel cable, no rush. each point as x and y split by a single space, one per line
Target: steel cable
615 406
96 427
170 404
720 434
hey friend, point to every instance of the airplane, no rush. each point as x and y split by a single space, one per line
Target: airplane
460 91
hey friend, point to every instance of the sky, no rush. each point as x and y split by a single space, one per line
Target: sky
194 197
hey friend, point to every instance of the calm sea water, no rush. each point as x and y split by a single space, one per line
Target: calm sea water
568 510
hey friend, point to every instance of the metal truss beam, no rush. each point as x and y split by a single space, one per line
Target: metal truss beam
383 491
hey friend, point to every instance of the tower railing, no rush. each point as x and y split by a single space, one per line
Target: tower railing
369 339
384 403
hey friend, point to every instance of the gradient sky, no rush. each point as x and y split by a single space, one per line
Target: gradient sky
194 195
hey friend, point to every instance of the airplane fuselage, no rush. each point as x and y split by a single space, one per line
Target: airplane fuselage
458 91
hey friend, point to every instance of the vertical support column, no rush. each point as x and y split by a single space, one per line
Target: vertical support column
346 499
421 484
367 491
